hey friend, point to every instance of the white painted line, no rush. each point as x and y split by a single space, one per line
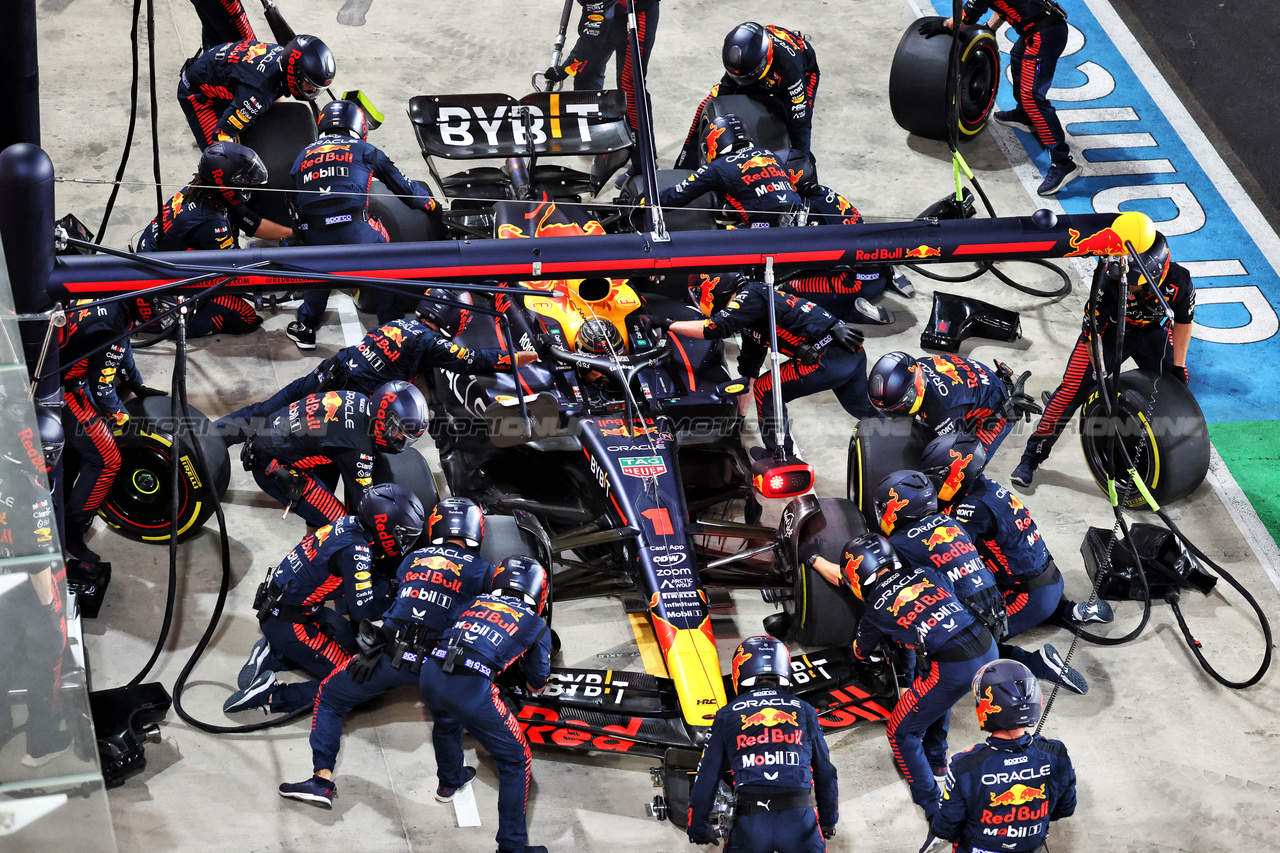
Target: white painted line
464 807
352 331
1243 514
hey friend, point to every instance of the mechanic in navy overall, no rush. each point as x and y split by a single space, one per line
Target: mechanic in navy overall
1011 546
222 21
769 64
196 217
825 353
749 177
772 746
1154 341
907 506
333 175
92 409
334 562
914 606
434 581
949 393
1002 794
1042 31
603 32
401 349
309 443
492 632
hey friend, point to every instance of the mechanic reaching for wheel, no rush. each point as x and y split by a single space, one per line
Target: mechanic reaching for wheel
825 353
492 632
1010 544
750 178
1016 782
92 410
199 217
333 176
769 64
949 393
309 443
916 607
334 562
399 350
771 745
433 581
1153 340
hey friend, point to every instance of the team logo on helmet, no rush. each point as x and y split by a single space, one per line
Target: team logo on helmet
706 293
955 477
892 506
738 660
987 707
713 141
435 516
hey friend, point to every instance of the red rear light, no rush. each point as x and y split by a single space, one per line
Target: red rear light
785 478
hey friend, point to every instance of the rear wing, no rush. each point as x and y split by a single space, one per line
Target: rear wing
471 127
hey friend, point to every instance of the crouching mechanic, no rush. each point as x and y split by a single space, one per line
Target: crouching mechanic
1154 341
749 177
1007 539
491 633
433 582
297 460
334 562
1002 794
772 746
825 353
333 176
949 393
916 607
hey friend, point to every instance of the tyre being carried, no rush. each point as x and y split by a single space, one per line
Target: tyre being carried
920 82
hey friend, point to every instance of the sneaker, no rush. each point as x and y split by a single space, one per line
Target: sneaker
41 760
256 695
446 795
317 791
873 314
1024 473
304 337
253 666
1014 118
1060 174
1093 610
1053 668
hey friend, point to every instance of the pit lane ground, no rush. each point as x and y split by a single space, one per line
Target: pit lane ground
1167 759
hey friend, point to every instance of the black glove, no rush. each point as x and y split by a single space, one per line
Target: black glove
1021 405
543 343
805 552
828 832
663 323
1181 374
142 391
937 27
362 665
555 74
706 838
846 337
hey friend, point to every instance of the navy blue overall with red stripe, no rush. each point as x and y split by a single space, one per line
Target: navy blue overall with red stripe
493 631
1042 36
224 90
963 395
603 32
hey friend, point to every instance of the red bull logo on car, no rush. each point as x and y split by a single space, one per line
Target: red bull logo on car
923 251
1104 242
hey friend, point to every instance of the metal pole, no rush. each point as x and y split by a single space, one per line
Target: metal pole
19 74
775 365
646 149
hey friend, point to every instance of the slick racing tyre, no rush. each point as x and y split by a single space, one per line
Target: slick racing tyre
767 130
404 224
139 504
1158 413
409 470
920 83
278 137
877 448
826 615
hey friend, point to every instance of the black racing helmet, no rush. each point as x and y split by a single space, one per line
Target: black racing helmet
710 293
725 134
400 415
1008 696
747 53
954 462
864 557
308 66
904 496
599 337
393 516
234 167
343 117
456 518
1156 259
52 436
896 384
761 657
523 578
450 319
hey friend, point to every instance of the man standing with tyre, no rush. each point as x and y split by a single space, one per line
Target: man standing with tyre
1153 339
1042 36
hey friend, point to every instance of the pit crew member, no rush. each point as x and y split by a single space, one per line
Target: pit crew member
1004 793
772 745
433 582
222 21
491 633
334 562
1154 342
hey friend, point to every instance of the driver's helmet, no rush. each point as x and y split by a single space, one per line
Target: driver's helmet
599 337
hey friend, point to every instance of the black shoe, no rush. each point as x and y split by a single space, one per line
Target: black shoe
1014 118
446 794
256 695
1060 174
317 791
80 551
1024 473
304 337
